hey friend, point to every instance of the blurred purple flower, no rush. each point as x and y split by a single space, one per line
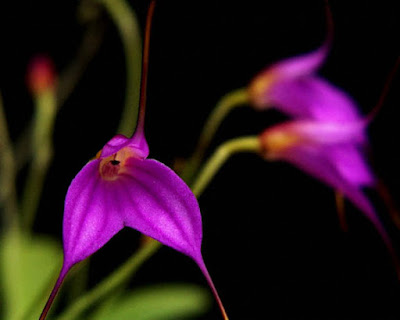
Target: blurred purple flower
119 188
332 153
293 87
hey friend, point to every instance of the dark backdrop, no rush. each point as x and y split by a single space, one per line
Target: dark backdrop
272 240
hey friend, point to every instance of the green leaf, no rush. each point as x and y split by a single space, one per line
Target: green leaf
161 302
27 269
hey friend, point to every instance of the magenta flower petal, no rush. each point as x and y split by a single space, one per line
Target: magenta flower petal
330 152
351 165
289 69
318 132
337 145
90 219
320 164
293 87
155 201
137 142
301 65
312 97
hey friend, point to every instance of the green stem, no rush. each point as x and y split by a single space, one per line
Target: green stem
11 236
126 21
42 145
227 103
112 282
90 43
8 193
219 157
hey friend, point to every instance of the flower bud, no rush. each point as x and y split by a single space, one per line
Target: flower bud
41 75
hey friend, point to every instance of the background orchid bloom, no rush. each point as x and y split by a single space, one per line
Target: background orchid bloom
293 87
330 152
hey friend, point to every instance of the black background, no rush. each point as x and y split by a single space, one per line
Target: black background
272 241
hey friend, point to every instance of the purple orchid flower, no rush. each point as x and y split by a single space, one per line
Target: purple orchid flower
119 188
332 153
293 87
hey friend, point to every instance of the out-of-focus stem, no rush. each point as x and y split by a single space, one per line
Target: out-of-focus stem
219 157
126 21
112 282
8 201
69 77
339 200
226 104
45 111
8 197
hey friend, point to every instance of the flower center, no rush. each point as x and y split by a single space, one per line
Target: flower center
258 89
276 142
111 167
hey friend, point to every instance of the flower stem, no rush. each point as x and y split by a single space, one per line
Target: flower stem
339 200
8 193
126 21
42 144
219 157
203 268
112 282
227 103
53 293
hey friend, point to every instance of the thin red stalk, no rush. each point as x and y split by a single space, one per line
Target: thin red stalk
53 293
339 200
203 268
385 91
145 68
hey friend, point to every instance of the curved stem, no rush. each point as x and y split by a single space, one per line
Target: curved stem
219 157
89 45
145 71
227 103
45 105
8 190
126 21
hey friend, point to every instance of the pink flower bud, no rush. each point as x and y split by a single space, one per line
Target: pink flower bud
41 75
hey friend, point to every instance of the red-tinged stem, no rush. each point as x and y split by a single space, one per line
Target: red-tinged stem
53 293
386 239
389 202
385 91
145 68
339 200
203 268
